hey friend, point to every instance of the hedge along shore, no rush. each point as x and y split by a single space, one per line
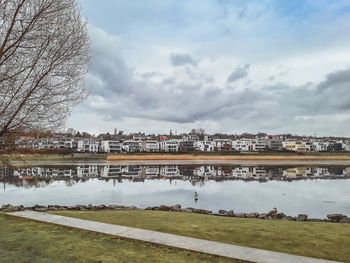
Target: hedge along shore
272 215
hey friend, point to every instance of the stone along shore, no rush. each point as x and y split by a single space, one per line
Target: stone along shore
272 215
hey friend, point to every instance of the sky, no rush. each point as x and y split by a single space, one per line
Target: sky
225 66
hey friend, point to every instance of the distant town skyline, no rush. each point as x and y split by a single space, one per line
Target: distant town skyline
226 66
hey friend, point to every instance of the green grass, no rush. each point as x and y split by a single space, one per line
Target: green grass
28 241
312 239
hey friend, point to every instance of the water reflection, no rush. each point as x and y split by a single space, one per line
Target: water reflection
197 175
312 190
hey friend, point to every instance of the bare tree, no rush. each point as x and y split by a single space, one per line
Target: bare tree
44 52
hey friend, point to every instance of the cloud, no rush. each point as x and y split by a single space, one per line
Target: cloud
182 60
133 86
191 96
238 73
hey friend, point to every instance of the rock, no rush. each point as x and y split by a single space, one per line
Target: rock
231 213
241 215
262 216
13 208
164 208
39 206
80 207
251 215
40 209
222 211
199 211
335 217
302 217
5 206
280 216
272 213
345 220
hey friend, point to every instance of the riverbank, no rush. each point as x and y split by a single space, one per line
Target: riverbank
40 241
271 215
219 157
299 238
275 159
28 241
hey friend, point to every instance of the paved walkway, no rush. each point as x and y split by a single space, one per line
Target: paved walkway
189 243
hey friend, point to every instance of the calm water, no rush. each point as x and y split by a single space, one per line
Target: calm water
316 191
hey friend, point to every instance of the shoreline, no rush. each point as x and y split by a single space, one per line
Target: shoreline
271 215
216 157
321 159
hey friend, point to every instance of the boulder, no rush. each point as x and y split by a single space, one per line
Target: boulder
302 217
164 208
252 215
262 216
335 217
39 206
345 220
177 206
241 215
222 211
5 206
281 216
13 208
230 213
40 209
272 213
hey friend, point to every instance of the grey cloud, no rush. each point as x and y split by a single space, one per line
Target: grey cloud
341 77
173 98
335 89
238 73
182 60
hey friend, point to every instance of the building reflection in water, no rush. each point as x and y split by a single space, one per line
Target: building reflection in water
197 174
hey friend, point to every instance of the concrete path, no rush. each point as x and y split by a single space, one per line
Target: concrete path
194 244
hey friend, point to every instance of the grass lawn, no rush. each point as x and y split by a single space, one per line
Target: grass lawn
319 240
28 241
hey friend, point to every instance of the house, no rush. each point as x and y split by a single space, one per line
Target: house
132 146
187 146
111 146
258 145
241 145
223 145
87 145
292 145
151 146
169 146
275 144
205 146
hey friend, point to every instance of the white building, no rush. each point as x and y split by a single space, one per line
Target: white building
169 146
241 145
87 145
152 146
132 146
205 146
111 146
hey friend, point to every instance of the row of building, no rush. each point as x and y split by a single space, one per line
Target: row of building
185 144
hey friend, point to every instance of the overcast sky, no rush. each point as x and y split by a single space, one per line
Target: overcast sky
225 66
